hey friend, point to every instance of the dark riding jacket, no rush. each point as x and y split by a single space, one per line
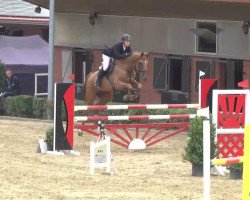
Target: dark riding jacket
117 51
12 85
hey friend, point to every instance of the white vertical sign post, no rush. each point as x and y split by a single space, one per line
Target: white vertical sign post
206 160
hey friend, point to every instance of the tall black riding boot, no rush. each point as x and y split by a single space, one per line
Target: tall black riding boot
100 75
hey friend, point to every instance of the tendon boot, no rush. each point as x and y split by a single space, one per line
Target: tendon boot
100 75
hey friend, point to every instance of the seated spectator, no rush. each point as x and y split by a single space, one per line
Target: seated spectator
11 84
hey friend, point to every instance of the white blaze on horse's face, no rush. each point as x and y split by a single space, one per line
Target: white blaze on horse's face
142 67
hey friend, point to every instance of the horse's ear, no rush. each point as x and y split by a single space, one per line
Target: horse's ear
142 54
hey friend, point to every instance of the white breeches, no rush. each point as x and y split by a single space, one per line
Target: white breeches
105 62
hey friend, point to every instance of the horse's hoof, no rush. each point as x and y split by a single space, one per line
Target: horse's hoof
125 98
134 97
131 98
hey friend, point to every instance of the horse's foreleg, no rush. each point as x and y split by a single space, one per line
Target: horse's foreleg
136 85
127 96
121 86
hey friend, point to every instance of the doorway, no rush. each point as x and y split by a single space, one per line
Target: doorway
82 66
234 73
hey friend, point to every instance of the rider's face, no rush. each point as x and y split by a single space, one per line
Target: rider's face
127 43
8 73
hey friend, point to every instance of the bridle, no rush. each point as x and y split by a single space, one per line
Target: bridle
140 66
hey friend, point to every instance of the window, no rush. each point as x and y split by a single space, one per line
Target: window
160 73
11 31
45 34
206 37
15 32
171 73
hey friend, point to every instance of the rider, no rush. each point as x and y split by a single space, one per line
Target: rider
118 51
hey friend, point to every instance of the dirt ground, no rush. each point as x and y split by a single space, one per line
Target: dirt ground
156 173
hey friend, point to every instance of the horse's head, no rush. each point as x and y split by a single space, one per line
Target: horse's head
142 66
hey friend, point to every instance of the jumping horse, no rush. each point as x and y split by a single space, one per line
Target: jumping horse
121 79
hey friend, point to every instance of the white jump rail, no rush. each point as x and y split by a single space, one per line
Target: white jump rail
136 106
133 117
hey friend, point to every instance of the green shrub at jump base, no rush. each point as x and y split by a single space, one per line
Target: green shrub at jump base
193 151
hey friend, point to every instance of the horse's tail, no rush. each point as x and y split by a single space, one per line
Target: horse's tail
84 85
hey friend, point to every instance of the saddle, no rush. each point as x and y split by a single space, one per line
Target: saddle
111 67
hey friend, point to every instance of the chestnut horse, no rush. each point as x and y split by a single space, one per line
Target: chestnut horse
121 79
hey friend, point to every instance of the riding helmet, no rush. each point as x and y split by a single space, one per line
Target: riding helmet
126 37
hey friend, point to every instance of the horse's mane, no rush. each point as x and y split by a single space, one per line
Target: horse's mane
133 58
129 62
135 55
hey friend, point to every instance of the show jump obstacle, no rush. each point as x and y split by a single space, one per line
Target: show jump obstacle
232 117
131 136
229 113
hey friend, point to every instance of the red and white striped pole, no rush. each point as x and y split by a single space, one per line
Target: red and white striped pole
133 117
136 106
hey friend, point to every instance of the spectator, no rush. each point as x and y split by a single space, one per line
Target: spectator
11 84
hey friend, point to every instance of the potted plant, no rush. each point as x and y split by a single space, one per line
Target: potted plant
193 151
236 171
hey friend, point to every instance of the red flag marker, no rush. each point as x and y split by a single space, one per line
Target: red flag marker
71 77
243 84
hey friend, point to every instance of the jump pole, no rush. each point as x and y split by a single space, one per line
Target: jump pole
136 106
228 161
133 117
